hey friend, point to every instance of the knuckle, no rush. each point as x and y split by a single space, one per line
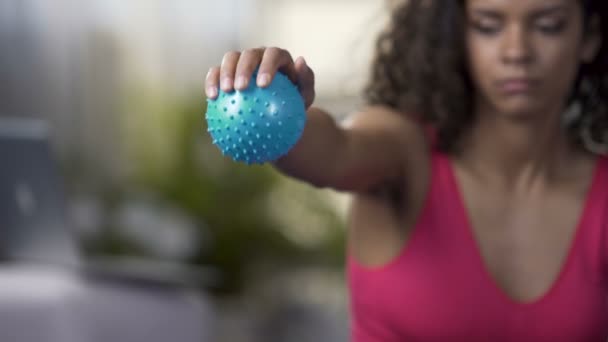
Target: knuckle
311 72
273 51
224 72
250 51
229 56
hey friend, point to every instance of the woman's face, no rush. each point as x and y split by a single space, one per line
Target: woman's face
524 55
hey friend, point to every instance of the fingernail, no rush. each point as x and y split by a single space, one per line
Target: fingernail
211 92
226 83
240 82
263 80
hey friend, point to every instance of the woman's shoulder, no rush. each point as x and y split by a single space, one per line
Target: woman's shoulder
415 137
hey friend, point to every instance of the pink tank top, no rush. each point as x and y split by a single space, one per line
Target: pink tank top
438 289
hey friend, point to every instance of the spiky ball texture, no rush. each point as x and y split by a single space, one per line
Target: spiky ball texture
257 125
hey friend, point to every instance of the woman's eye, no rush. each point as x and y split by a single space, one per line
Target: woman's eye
551 27
486 28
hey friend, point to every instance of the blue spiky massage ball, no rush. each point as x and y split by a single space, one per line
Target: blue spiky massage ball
257 125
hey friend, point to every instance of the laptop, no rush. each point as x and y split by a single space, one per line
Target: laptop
33 218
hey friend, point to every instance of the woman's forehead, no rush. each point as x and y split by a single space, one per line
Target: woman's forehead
519 5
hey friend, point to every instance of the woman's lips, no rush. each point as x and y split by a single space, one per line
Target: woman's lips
514 86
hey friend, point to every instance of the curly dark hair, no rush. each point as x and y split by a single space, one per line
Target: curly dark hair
420 69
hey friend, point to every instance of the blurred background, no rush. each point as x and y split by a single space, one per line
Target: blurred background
120 82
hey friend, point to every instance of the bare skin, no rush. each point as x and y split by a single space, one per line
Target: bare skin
523 184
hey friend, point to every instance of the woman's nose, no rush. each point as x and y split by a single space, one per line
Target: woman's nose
516 47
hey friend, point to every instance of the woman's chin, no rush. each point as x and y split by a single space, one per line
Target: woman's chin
521 108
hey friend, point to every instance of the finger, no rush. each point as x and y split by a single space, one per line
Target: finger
212 82
249 60
275 59
227 70
306 81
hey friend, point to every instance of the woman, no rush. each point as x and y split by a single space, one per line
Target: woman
480 205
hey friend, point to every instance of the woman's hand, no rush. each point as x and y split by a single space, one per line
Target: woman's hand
237 68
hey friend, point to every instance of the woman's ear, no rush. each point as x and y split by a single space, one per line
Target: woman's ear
592 41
